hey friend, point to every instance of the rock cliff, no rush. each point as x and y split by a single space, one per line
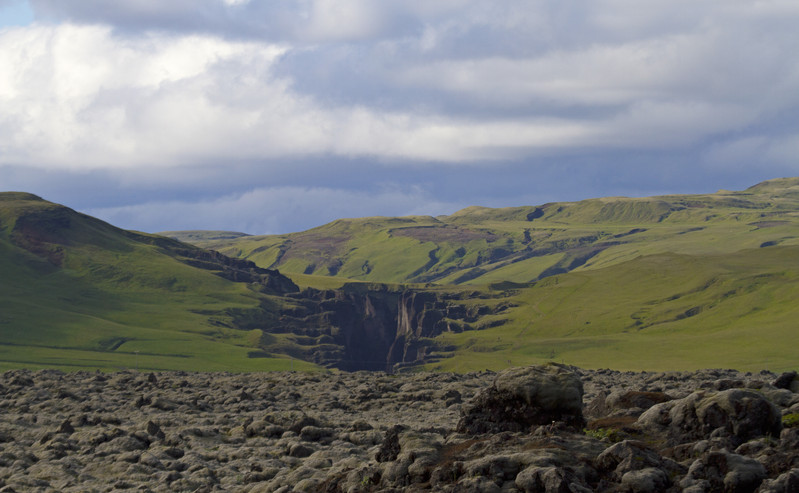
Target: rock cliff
372 327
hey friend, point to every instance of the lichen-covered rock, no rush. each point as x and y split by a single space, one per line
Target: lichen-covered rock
724 472
523 397
390 448
290 431
785 483
632 399
738 414
549 478
646 480
628 456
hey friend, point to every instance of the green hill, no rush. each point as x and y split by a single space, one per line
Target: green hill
522 244
670 282
656 312
79 293
659 283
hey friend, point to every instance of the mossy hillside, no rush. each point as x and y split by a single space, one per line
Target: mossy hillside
710 284
660 312
79 293
479 245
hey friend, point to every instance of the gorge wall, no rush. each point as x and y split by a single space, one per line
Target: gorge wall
372 327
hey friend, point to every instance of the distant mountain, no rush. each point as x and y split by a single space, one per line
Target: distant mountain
479 245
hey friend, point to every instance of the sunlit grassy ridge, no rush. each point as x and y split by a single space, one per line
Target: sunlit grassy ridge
660 283
79 293
671 282
657 312
522 244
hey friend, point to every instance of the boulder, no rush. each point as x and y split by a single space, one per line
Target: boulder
740 415
631 399
390 448
549 478
521 398
629 456
788 381
647 480
723 471
784 483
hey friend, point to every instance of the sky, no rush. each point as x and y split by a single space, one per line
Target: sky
277 116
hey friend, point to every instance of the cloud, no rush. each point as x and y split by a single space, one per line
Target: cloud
85 96
300 21
159 97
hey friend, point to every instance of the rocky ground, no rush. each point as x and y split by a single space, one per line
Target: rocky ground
548 428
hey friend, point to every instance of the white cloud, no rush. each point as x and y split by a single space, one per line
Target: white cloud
82 97
344 20
165 89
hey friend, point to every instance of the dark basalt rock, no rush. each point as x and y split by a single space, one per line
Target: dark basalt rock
632 399
620 460
524 397
391 448
788 380
737 414
371 327
785 483
724 472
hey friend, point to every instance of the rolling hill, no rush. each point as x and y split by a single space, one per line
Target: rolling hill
660 283
522 244
79 293
670 282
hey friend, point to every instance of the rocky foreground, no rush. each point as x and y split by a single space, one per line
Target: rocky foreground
546 428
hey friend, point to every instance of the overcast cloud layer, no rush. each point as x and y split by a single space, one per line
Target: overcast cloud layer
278 116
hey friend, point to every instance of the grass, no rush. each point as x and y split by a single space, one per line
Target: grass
115 299
662 312
665 283
478 245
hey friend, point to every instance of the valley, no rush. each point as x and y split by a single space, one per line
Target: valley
660 283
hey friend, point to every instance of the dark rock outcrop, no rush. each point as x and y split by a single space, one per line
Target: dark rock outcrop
521 398
236 270
737 414
788 380
723 471
371 326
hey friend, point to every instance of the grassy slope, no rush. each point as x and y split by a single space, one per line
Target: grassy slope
678 281
114 302
480 245
658 312
674 283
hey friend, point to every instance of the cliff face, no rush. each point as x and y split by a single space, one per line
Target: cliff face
372 328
